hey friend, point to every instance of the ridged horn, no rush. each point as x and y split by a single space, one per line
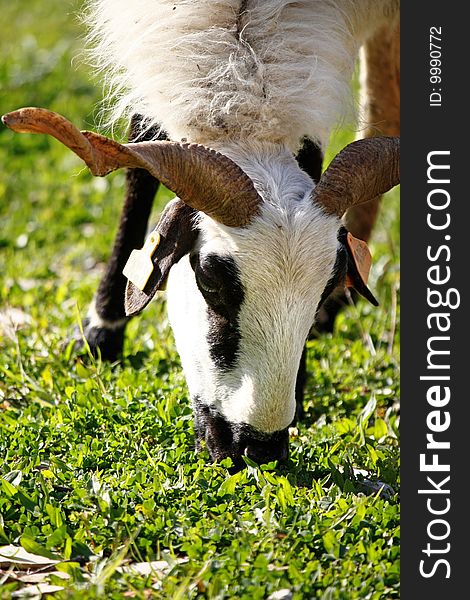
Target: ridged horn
361 171
203 178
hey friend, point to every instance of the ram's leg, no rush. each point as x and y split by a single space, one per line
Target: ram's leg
380 85
300 388
106 321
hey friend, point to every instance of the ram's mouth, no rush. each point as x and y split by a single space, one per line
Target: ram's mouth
235 440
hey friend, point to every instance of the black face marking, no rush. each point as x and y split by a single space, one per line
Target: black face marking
224 439
310 159
218 280
339 270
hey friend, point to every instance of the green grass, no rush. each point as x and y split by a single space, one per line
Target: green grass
97 461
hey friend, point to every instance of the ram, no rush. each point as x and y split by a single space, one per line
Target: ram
231 105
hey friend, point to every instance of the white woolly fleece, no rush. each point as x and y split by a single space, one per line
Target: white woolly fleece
207 70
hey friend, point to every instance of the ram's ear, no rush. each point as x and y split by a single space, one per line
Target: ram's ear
147 269
359 262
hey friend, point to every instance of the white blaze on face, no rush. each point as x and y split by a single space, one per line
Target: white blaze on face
284 258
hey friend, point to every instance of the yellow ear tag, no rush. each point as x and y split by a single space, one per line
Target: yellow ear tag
360 253
139 265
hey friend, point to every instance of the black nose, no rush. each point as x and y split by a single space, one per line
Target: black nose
269 448
223 439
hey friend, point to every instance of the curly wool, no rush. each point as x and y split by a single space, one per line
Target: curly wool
212 70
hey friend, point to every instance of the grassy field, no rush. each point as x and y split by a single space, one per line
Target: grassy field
97 463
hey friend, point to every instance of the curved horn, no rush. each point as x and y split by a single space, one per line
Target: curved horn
203 178
361 171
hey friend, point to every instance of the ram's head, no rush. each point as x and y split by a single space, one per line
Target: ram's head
250 248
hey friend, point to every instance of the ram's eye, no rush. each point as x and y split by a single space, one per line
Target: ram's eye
206 279
205 283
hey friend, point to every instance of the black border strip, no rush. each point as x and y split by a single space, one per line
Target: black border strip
434 397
